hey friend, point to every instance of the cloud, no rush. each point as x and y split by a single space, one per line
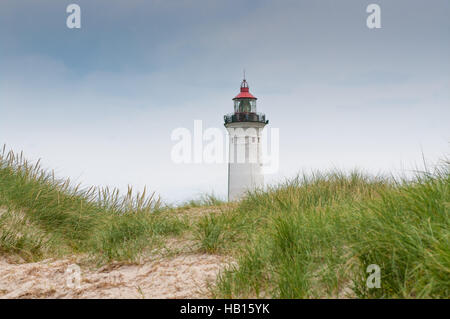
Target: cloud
99 104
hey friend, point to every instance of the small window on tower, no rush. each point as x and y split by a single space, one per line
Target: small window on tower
253 139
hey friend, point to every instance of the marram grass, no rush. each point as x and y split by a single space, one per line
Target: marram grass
310 237
315 237
42 216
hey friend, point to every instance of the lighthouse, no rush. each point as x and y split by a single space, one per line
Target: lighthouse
244 128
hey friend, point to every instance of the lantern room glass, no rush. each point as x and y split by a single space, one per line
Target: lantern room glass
245 105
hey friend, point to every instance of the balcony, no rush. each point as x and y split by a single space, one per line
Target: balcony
245 117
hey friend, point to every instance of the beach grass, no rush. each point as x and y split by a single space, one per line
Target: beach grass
313 236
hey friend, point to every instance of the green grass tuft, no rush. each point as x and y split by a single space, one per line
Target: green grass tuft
315 236
48 217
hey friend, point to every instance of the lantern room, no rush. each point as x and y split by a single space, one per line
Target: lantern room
244 102
245 107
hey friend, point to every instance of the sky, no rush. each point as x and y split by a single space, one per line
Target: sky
99 104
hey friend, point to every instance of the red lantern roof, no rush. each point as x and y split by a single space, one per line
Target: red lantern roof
245 94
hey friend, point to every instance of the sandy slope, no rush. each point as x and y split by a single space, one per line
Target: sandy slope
182 276
179 272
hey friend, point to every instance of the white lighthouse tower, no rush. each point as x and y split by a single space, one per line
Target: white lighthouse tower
244 126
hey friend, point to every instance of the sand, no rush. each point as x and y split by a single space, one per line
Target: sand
182 276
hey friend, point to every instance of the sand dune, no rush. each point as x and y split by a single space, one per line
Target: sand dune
182 276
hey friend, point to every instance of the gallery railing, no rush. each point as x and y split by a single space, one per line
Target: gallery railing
245 117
